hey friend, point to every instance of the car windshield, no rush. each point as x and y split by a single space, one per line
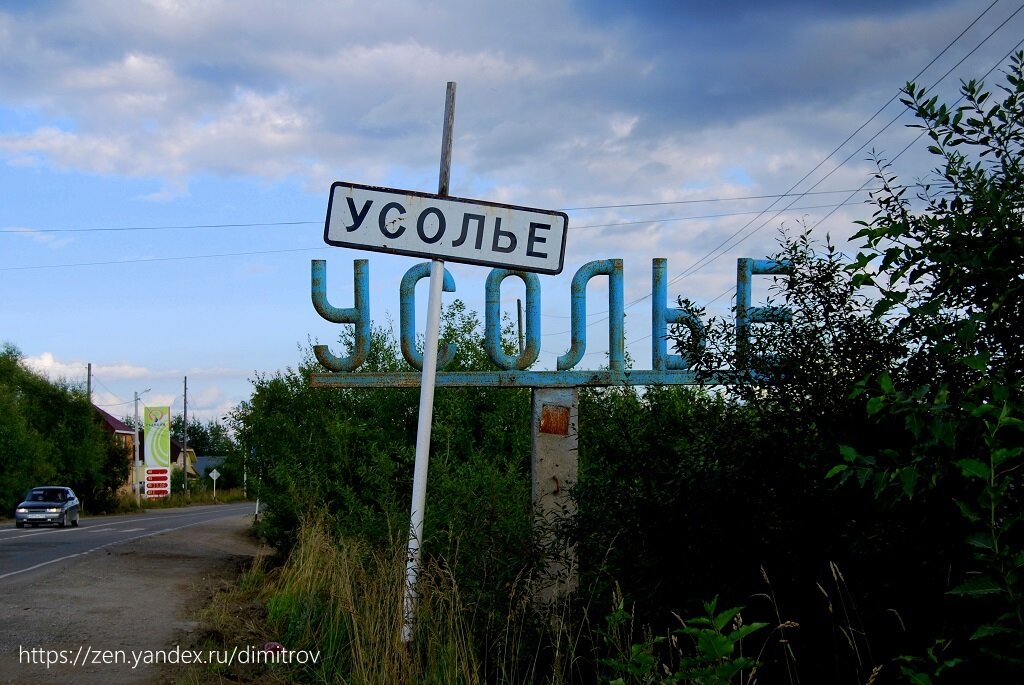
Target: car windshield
50 495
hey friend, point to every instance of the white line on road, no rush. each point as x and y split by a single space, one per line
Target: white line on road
108 544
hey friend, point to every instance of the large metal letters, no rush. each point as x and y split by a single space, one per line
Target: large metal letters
667 369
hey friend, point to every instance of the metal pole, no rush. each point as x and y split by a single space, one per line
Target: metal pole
519 321
184 440
426 413
135 460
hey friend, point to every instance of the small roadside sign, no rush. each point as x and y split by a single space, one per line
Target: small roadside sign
417 224
215 474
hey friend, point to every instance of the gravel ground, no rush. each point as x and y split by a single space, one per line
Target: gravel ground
126 605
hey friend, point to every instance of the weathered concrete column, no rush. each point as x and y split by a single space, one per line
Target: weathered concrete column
555 422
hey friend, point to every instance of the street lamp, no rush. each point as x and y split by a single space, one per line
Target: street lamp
135 462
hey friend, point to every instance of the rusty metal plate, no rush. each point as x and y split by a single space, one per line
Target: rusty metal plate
554 419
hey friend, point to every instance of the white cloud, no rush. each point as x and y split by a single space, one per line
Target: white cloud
47 365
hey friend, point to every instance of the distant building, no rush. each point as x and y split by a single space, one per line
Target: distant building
121 431
124 435
206 464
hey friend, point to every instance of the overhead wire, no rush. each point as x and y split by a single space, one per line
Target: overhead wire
98 229
250 253
995 66
728 244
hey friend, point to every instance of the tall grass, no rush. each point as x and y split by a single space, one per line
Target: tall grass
344 598
196 496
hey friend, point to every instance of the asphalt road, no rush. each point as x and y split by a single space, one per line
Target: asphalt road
30 550
115 601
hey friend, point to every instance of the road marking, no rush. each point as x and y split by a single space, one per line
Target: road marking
93 524
108 544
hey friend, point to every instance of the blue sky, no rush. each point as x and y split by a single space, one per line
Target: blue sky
163 115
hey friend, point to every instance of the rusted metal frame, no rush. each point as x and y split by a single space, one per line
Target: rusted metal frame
616 315
492 309
358 315
524 379
407 316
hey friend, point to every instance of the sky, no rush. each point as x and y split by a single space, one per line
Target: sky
165 165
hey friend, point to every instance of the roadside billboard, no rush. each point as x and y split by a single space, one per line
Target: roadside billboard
157 424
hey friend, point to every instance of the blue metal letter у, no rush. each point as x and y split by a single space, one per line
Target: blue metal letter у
745 313
358 315
662 315
616 315
407 316
493 319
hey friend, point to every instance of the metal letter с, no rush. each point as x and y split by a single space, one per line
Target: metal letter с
407 316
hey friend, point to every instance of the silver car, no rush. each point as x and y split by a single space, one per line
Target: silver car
48 504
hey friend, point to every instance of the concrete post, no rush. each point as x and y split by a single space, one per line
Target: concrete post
554 467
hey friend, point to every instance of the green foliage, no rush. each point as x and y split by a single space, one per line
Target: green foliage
209 438
350 452
898 380
49 434
716 657
951 283
877 431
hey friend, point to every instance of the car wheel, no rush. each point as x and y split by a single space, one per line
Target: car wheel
63 520
20 524
74 521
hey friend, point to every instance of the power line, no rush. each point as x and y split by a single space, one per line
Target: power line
161 259
957 101
848 201
157 228
718 216
727 244
703 261
695 201
111 229
916 138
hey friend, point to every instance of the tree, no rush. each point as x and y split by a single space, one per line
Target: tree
900 374
950 275
209 438
350 452
49 433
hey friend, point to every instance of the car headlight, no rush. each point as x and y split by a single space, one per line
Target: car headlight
21 510
53 510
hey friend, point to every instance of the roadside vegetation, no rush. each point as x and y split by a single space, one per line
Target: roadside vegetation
49 435
849 511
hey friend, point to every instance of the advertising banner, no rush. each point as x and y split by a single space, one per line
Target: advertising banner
157 425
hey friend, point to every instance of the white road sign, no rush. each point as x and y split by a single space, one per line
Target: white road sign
449 228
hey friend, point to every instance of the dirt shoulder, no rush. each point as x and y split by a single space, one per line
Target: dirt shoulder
128 605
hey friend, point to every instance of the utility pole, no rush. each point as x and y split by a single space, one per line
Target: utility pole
88 382
136 465
135 460
184 449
